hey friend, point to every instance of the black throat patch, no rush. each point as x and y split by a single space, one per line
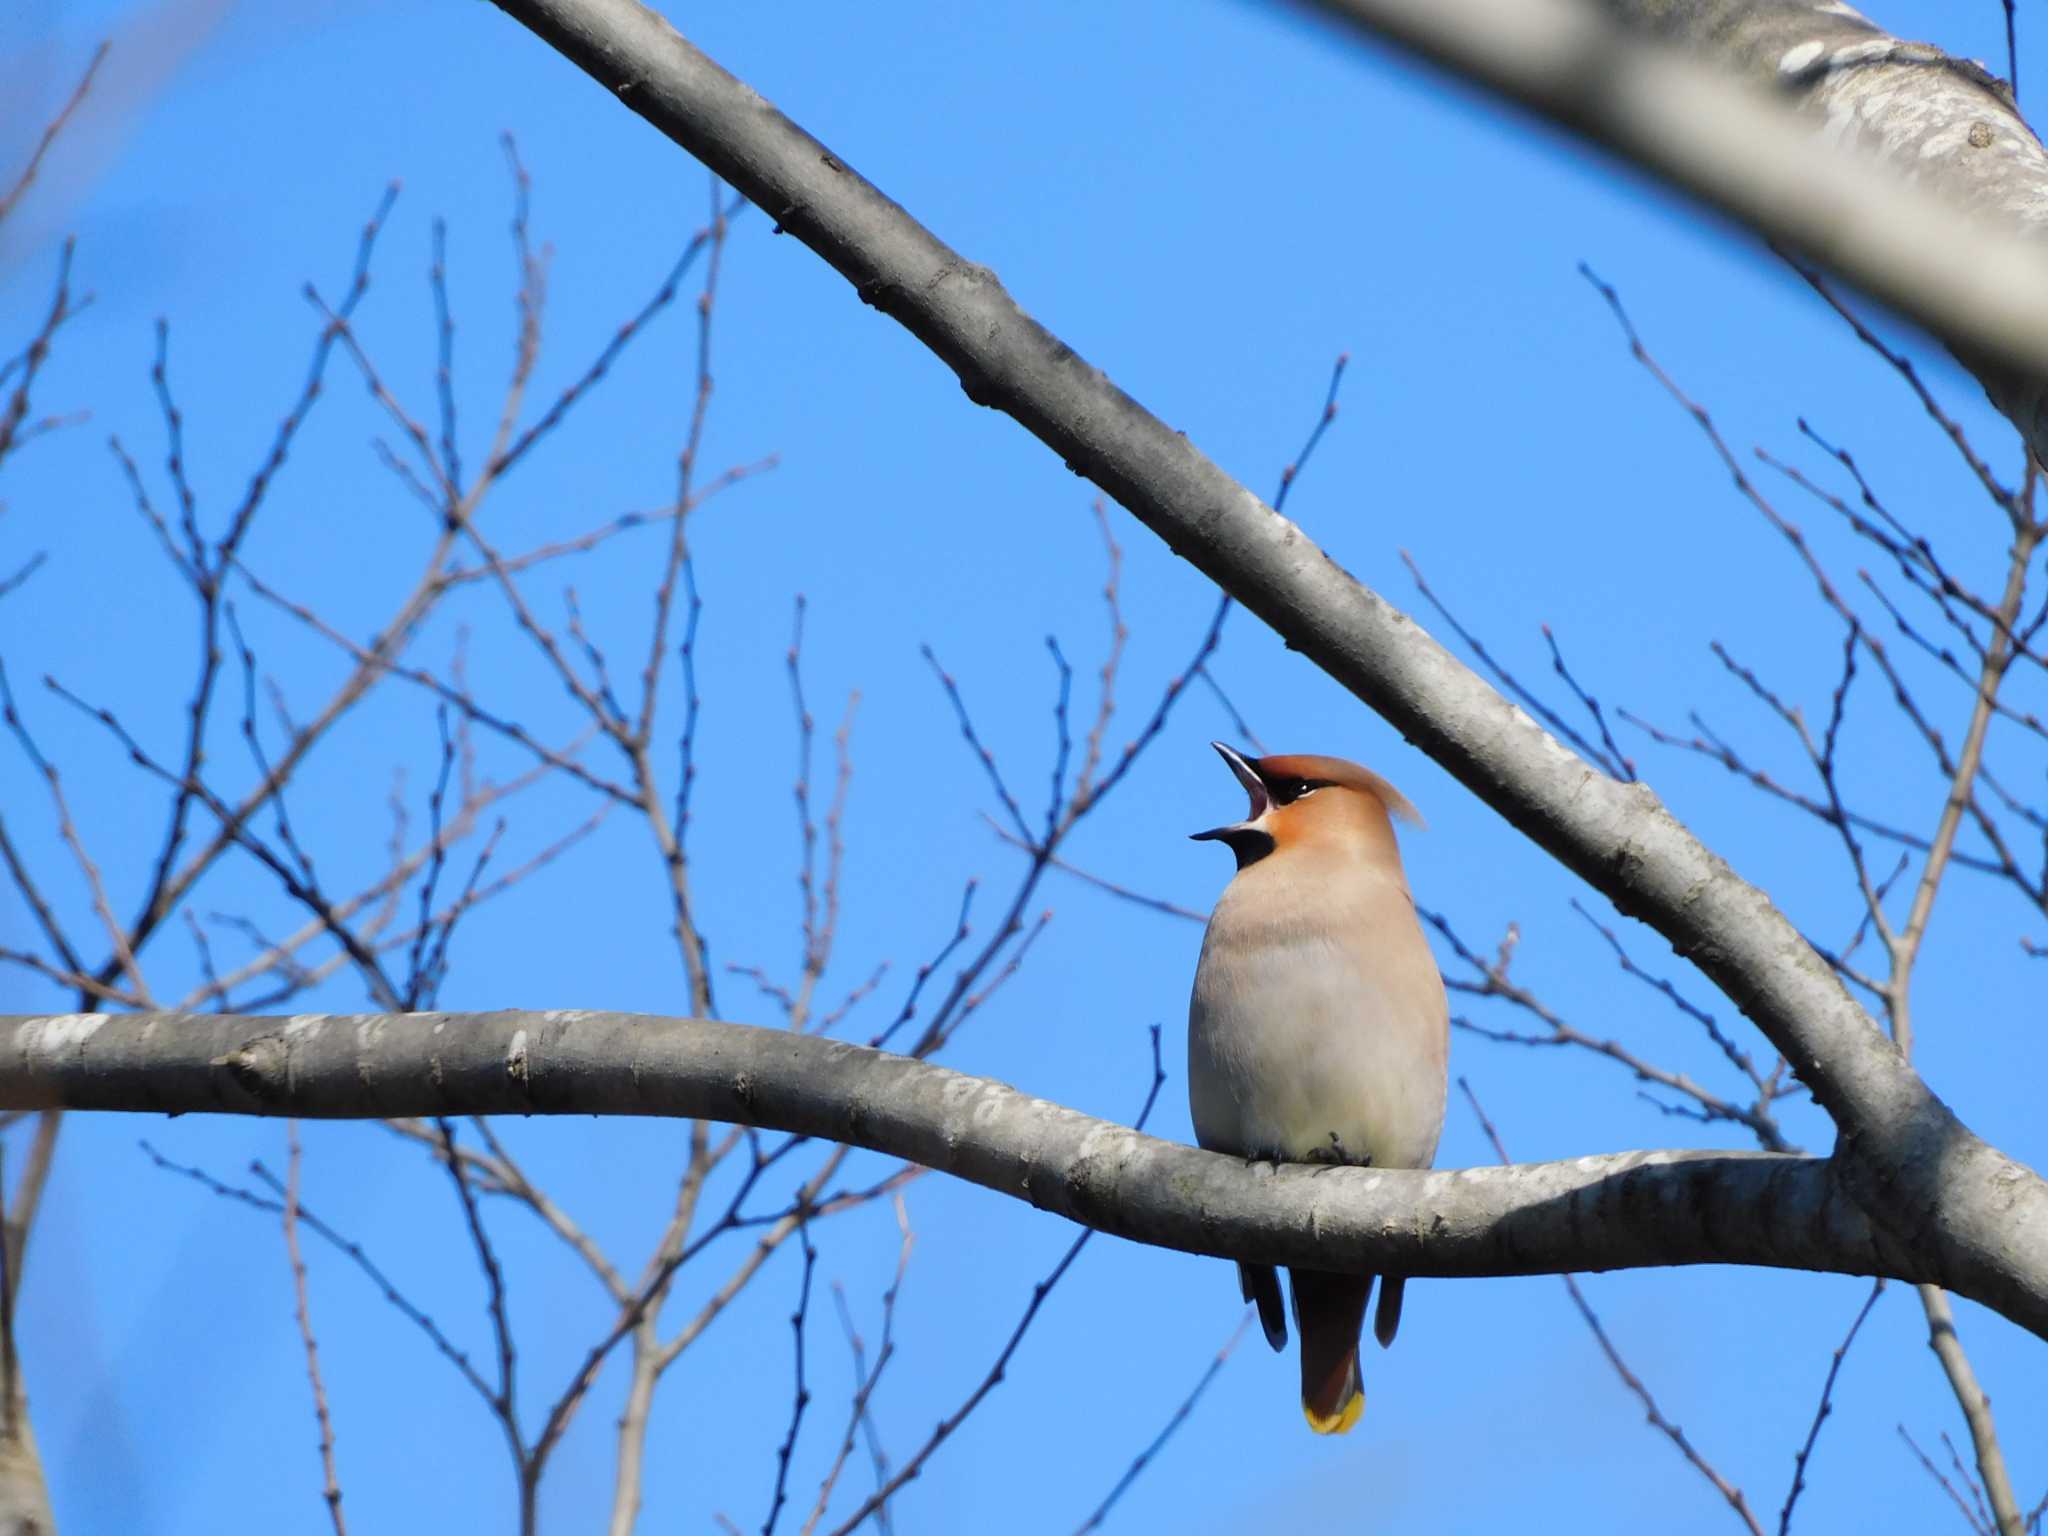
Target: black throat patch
1249 844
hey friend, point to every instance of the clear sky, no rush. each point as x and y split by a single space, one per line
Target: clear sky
1211 201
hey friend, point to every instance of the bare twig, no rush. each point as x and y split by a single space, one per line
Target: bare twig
1734 1495
860 1419
1823 1409
1976 1521
800 1398
1903 366
353 1251
987 758
1121 892
51 131
946 1426
331 1485
1494 981
15 427
1315 436
1613 765
2005 1516
1158 1442
504 1397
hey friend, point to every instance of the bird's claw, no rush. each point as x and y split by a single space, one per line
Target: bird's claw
1334 1156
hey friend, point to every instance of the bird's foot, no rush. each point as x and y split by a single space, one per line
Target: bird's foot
1335 1156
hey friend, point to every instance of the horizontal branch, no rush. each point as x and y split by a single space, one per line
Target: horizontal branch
1623 1210
1913 1165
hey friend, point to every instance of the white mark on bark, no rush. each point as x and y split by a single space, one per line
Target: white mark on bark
1114 1143
515 1055
61 1035
993 1101
960 1093
1796 59
1837 8
1856 53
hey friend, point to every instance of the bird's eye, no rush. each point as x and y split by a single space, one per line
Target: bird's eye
1287 791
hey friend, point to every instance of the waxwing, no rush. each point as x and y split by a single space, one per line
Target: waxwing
1318 1029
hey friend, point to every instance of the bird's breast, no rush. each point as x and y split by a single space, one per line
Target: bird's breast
1318 1029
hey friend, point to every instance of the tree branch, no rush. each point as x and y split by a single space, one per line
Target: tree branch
1732 136
1906 1156
1621 1210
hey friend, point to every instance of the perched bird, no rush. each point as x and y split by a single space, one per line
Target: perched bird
1318 1029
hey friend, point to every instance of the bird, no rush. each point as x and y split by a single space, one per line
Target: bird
1318 1030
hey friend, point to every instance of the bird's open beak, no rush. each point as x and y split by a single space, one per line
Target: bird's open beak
1254 786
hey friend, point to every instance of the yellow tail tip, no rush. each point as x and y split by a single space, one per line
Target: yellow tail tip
1337 1423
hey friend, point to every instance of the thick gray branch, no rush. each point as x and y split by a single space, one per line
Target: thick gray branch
1624 1210
1924 184
1915 1167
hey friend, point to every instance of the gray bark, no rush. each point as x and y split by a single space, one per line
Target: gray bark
1924 185
1942 122
24 1494
1918 1171
1621 1210
24 1497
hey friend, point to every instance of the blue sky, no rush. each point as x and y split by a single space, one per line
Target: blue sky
1211 202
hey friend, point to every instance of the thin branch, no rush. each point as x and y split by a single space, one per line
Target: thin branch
1121 892
800 1398
353 1251
1903 366
974 743
1158 1442
504 1398
51 131
1494 981
860 1418
1615 767
67 829
1823 1409
1976 1521
331 1486
1971 1399
946 1426
1315 436
1737 1501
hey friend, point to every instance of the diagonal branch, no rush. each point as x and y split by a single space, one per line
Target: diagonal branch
1777 116
1903 1152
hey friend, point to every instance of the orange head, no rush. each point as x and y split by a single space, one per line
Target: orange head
1300 800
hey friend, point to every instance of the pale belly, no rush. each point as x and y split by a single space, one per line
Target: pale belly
1294 1053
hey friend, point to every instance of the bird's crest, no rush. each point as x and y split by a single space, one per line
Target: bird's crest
1336 770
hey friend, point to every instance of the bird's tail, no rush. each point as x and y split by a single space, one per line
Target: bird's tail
1329 1312
1386 1318
1261 1286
